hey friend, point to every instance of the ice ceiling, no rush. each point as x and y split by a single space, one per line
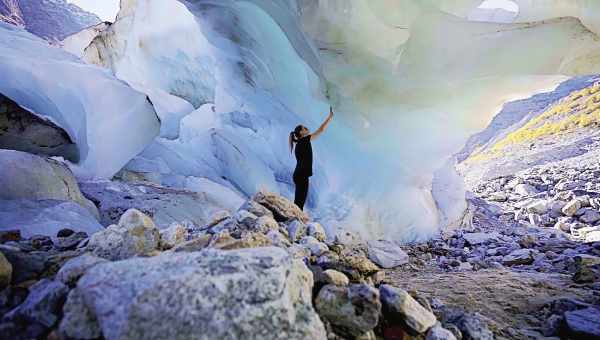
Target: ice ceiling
410 80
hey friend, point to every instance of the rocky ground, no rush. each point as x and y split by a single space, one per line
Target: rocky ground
267 271
527 257
524 265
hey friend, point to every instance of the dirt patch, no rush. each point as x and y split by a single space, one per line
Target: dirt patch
508 299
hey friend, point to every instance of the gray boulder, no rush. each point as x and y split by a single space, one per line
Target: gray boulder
518 257
43 304
473 327
399 305
25 265
564 224
334 277
70 242
481 238
525 190
590 216
256 208
73 269
266 224
165 205
195 244
299 252
583 323
31 177
278 239
245 218
172 236
136 234
296 230
352 263
315 247
386 254
464 325
346 238
570 209
5 271
352 311
282 208
258 293
78 322
438 332
316 230
539 206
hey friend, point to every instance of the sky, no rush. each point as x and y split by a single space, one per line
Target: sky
105 9
505 4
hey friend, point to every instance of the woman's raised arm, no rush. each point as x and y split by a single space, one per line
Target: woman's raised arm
323 126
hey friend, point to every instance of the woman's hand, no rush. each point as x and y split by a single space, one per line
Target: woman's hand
323 126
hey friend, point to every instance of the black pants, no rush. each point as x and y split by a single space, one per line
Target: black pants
301 190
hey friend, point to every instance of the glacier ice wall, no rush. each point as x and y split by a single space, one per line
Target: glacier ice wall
77 43
406 100
109 121
432 78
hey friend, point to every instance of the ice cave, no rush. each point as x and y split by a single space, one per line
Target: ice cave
410 80
150 190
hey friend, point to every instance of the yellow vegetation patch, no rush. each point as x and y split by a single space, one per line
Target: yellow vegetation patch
580 109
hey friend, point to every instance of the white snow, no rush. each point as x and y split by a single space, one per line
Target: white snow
109 121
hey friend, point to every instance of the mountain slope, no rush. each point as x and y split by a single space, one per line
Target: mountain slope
49 19
545 128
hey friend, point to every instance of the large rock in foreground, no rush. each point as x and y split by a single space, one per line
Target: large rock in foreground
258 293
31 177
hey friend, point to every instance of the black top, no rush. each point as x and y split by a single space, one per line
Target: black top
304 157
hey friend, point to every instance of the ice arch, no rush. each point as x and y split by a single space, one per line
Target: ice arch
587 11
403 106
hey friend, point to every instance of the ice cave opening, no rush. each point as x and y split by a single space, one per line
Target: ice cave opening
498 11
507 5
227 95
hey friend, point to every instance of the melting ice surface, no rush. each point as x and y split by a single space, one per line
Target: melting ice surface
95 109
409 81
405 101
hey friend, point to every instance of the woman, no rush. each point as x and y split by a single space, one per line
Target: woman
302 137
